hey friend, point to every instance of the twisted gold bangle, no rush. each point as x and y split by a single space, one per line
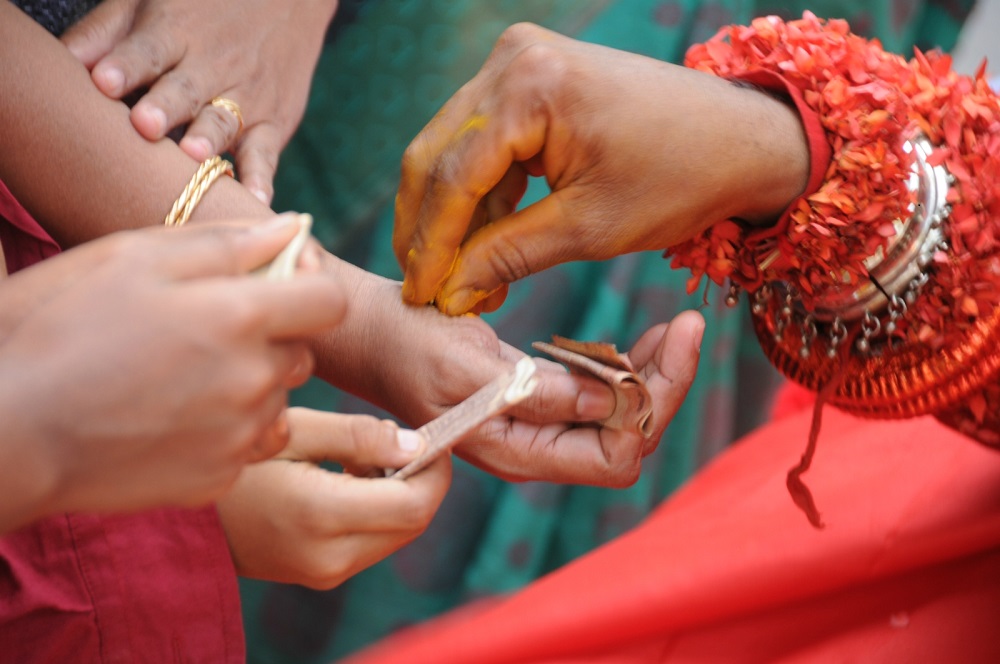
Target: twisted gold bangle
208 172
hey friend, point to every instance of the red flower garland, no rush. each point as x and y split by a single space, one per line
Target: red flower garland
868 100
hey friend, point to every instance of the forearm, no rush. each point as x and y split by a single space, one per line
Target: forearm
83 171
763 154
71 155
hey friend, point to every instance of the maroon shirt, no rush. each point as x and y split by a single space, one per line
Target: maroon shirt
157 586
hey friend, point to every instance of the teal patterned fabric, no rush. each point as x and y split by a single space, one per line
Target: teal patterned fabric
380 79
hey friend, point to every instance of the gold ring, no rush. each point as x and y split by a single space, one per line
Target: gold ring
232 107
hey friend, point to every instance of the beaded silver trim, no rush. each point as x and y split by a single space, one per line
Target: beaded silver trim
898 272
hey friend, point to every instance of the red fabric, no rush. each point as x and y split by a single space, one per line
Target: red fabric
152 587
24 241
729 570
791 398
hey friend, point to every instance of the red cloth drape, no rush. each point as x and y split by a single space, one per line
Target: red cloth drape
729 570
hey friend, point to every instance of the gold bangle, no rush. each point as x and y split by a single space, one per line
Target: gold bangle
209 171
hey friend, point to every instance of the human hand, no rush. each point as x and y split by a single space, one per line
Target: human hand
259 53
639 154
440 360
530 438
289 520
148 368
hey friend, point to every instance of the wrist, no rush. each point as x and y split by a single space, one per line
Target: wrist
344 356
772 155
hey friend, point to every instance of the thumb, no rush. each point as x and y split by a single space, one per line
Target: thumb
511 248
94 35
671 370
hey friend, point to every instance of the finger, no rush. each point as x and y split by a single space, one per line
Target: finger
176 98
494 300
458 116
418 157
141 57
559 453
302 306
221 249
94 35
512 248
504 197
257 160
499 203
353 441
213 131
671 370
383 505
560 396
644 349
470 165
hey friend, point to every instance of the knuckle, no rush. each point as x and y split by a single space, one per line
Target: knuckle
445 176
220 125
415 157
623 475
100 32
542 60
186 96
152 50
519 35
365 432
244 316
508 260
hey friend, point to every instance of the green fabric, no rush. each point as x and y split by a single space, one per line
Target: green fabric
378 83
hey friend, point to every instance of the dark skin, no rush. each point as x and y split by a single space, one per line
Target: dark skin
639 154
414 362
217 351
174 48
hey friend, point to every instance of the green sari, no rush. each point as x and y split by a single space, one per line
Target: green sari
380 79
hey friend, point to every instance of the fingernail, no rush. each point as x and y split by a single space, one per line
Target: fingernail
155 120
261 195
461 301
197 148
112 80
408 440
595 404
699 332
